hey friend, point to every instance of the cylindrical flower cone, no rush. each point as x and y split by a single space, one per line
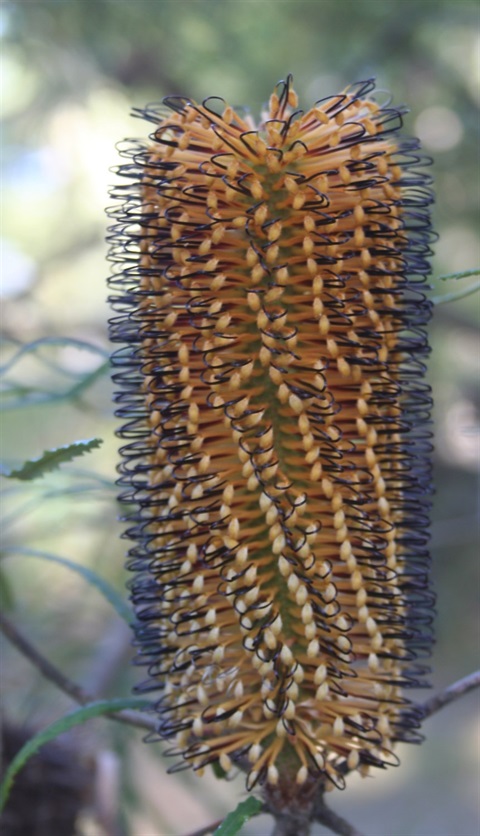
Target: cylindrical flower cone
270 296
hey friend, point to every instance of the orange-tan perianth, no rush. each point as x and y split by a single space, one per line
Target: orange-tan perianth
276 457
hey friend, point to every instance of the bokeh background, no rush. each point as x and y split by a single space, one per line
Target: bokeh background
72 71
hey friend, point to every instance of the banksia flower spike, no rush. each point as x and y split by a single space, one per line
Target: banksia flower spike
269 289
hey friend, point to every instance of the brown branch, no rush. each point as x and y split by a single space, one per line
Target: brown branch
112 653
453 692
66 685
332 821
49 671
286 825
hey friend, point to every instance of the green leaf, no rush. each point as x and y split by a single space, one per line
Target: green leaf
18 397
87 381
61 342
75 718
6 592
218 771
465 275
89 575
235 820
455 294
51 460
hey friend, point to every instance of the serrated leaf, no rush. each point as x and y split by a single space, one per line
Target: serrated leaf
75 718
89 575
235 820
51 460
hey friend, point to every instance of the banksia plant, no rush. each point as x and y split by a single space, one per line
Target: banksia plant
269 287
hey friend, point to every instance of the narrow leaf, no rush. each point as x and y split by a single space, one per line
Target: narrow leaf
442 298
17 397
235 820
89 575
87 381
51 460
6 592
464 275
75 718
57 342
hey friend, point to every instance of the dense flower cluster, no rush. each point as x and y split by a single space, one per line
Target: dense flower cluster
269 287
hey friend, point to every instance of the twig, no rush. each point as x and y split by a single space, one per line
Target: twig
453 692
113 651
66 685
324 815
286 825
49 671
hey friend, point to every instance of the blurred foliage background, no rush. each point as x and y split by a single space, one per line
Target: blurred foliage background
72 70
